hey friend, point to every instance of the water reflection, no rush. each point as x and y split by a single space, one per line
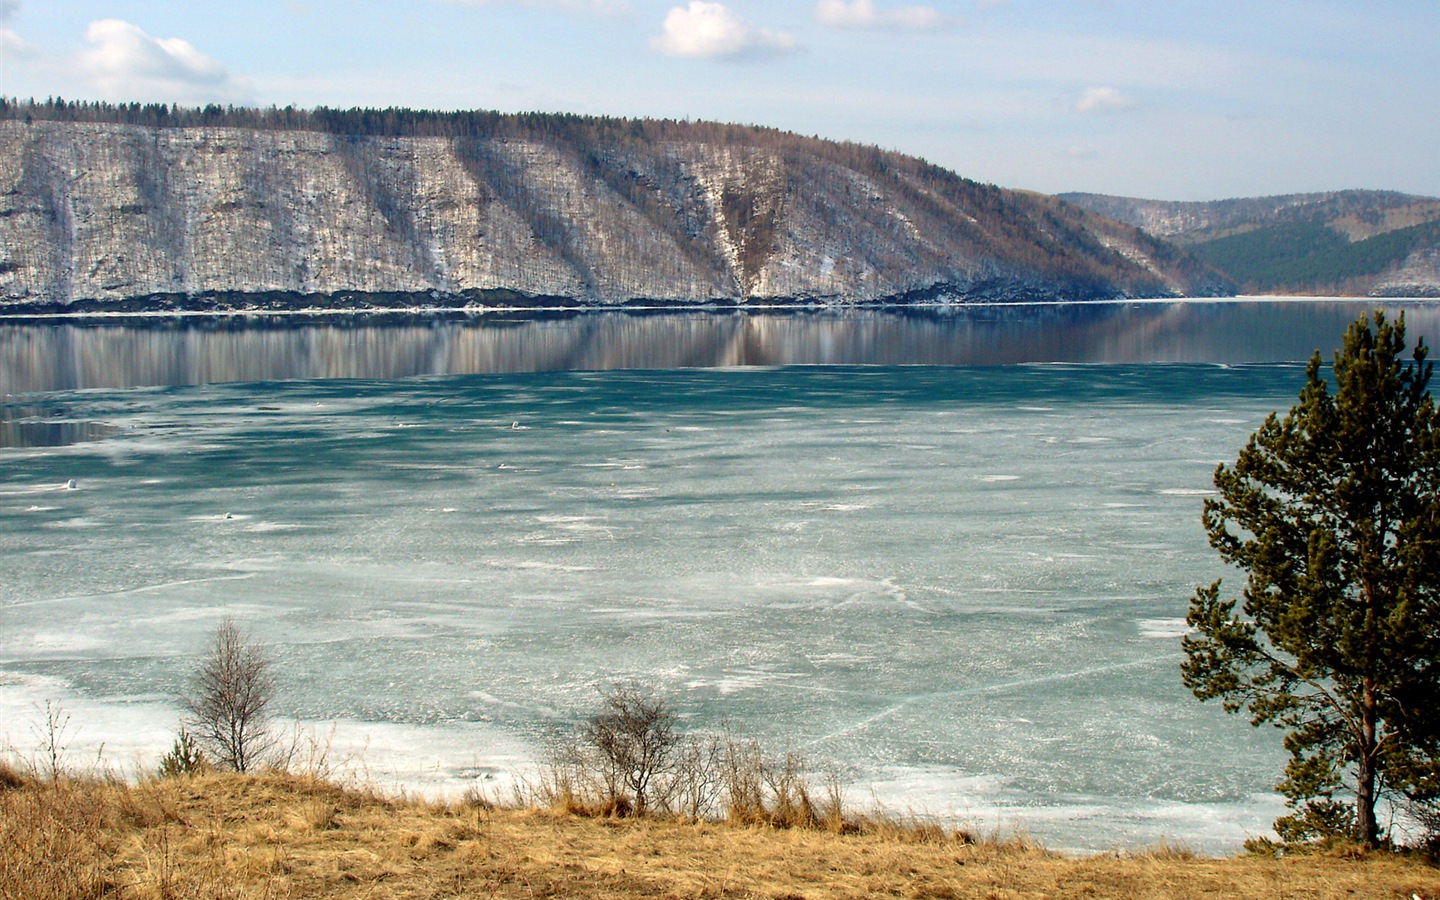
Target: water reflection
54 355
31 426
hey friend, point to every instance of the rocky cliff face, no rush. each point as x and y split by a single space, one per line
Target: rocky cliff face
105 214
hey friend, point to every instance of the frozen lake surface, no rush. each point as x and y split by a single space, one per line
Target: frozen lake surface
963 586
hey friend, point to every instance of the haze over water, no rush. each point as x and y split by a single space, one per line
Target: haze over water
963 585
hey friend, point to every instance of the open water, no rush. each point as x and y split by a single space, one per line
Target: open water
961 586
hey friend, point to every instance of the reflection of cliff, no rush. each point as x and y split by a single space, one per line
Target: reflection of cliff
208 216
52 356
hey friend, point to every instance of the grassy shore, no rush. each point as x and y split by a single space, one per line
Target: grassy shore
234 837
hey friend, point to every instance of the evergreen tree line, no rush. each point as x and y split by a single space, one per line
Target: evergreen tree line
553 128
1301 255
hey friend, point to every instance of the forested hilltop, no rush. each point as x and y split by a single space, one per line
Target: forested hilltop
148 206
1380 243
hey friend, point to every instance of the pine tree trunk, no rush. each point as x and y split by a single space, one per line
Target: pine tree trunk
1366 827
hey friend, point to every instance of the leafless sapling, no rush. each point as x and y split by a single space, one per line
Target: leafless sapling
230 694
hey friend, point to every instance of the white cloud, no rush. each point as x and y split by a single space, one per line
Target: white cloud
713 31
863 14
1103 100
125 63
10 42
594 7
12 45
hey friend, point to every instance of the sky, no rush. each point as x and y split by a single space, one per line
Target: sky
1167 99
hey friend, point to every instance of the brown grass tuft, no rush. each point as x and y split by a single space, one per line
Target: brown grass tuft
57 840
1164 850
11 778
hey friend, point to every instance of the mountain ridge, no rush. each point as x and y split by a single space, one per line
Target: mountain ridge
1380 243
107 206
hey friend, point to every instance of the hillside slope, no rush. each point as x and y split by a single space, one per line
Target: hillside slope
238 837
1380 243
328 208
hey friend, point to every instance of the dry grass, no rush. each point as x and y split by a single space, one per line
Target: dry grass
233 837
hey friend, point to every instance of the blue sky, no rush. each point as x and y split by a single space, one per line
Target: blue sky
1191 100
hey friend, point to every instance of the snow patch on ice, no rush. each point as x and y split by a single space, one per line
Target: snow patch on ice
1163 628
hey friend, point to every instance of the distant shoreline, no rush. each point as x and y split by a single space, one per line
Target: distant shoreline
479 311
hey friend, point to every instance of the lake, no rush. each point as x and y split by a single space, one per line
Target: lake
947 555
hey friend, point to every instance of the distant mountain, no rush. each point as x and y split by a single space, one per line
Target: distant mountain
1379 243
146 207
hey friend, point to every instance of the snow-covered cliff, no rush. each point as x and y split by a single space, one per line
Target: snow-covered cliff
105 214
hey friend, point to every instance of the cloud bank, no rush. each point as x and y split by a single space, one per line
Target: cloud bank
863 14
593 7
125 63
713 31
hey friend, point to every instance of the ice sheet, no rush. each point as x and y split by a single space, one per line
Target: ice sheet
965 587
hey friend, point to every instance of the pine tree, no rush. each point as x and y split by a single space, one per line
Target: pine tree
1334 514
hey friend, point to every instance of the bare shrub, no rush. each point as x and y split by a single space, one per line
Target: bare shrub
775 791
697 781
1423 815
569 781
791 794
632 739
230 694
631 759
744 783
780 790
